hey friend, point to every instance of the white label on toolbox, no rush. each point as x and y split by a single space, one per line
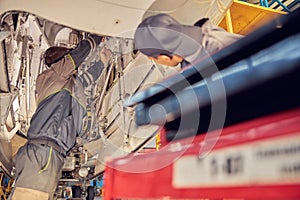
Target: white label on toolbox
269 161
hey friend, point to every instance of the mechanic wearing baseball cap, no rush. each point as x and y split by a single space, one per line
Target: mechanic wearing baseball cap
167 42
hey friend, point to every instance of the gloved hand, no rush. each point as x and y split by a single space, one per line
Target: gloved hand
105 55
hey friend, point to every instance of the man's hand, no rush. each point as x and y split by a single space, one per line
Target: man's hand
105 56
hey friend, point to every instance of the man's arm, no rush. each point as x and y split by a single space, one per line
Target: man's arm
84 48
66 65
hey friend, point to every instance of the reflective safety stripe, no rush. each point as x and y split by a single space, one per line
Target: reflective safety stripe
48 162
72 60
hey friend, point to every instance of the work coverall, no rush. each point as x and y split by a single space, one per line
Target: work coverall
57 121
213 39
163 35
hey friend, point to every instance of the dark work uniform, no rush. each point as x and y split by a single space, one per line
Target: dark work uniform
58 120
161 34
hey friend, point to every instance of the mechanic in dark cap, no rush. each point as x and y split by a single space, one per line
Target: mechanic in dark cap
58 120
167 42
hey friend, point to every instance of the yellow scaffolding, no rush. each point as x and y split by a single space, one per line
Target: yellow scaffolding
243 17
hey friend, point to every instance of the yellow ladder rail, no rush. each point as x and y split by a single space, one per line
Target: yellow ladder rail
2 194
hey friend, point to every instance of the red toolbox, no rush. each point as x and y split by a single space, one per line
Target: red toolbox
257 159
